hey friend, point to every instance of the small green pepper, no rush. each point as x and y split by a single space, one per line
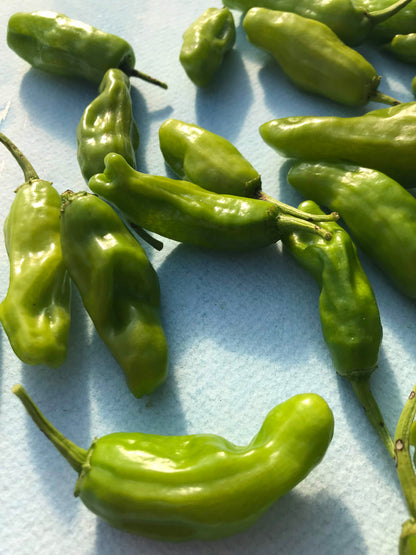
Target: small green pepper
382 139
185 212
401 23
351 22
118 286
55 43
107 125
205 44
195 487
349 314
379 213
314 58
36 311
403 47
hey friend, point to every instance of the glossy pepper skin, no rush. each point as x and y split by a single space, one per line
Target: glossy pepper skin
348 310
195 487
401 23
187 213
379 213
118 286
205 43
314 58
107 125
403 47
351 22
207 159
36 311
55 43
382 139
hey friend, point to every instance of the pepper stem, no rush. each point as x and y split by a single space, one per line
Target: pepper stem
291 211
404 464
76 456
150 240
289 223
384 99
363 392
378 16
28 169
133 72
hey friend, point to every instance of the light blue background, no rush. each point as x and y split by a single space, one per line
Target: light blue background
243 329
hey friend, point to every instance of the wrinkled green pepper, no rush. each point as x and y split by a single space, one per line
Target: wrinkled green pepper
107 125
351 22
314 58
195 487
36 311
118 286
349 314
205 43
379 213
401 23
187 213
382 139
57 44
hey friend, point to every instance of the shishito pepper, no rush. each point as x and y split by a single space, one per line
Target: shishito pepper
118 286
187 213
351 22
379 213
314 58
195 487
403 47
36 311
401 23
382 139
57 44
205 44
349 314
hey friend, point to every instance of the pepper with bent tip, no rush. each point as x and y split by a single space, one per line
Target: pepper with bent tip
193 487
383 139
379 213
36 311
118 286
185 212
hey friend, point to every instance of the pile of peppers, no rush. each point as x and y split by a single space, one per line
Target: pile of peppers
87 240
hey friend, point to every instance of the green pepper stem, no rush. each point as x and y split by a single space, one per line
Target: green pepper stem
384 99
377 16
76 456
404 464
363 392
287 224
28 170
152 241
133 72
291 211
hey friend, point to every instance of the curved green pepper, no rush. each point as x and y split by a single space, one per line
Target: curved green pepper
205 44
379 213
352 23
403 47
36 311
401 23
185 212
349 314
118 286
382 139
314 58
58 44
107 125
192 487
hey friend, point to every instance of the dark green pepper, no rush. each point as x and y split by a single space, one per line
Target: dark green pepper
195 487
185 212
352 23
118 286
107 125
401 23
205 44
349 314
314 58
58 44
382 139
36 311
379 213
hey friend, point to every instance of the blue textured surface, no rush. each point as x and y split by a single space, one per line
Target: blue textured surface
243 330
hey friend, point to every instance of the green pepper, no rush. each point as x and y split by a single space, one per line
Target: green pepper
55 43
349 314
193 487
379 213
107 125
413 85
403 47
351 22
314 58
401 23
185 212
205 44
382 139
36 311
118 286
